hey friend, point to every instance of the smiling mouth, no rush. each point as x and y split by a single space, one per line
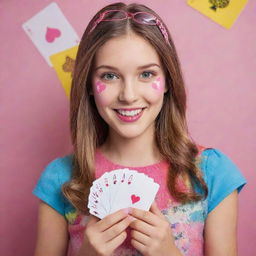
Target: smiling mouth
133 112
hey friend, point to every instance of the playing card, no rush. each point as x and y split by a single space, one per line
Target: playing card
125 181
121 188
50 31
64 64
117 177
223 12
114 179
137 191
94 204
100 188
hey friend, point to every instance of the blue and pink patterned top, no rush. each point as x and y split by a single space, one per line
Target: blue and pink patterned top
186 221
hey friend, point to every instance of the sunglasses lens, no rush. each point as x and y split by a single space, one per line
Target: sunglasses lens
145 18
115 15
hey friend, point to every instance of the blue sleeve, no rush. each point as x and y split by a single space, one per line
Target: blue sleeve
222 177
48 187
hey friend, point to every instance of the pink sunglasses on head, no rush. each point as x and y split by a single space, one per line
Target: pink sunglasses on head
144 18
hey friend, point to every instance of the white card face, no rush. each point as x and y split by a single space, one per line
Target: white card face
114 179
142 197
118 178
120 189
122 186
50 31
102 191
138 191
94 204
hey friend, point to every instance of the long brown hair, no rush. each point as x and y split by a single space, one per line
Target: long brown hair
89 130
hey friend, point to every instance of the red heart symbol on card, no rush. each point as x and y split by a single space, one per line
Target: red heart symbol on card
135 199
51 34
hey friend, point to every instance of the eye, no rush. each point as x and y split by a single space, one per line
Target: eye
108 76
147 74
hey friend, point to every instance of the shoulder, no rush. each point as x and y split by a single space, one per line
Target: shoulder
215 163
221 175
49 186
59 168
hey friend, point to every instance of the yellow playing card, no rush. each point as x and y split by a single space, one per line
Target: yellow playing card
64 63
223 12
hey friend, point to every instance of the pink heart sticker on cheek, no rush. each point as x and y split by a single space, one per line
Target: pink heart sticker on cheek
100 87
157 85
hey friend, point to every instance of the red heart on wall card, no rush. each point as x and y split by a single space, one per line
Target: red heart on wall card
51 34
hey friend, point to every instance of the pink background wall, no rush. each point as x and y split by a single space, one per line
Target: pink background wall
220 71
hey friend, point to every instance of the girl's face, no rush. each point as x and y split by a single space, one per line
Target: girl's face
128 85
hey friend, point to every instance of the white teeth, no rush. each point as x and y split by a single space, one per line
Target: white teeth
129 113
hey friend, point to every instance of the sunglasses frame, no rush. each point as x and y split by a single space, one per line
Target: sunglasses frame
129 15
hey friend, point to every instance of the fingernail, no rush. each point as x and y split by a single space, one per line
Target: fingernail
127 210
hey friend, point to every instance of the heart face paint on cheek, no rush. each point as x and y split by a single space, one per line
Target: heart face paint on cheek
100 87
157 85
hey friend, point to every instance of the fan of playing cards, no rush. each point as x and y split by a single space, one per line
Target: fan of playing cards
121 188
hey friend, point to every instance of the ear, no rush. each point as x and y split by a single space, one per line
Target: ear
91 89
167 82
91 92
165 87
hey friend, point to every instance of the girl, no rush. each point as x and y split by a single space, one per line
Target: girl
127 109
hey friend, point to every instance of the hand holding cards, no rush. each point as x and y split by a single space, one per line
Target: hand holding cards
121 188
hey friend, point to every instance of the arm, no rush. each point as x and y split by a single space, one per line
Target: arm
52 234
221 228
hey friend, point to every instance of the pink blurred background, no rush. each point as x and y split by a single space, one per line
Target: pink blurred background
219 67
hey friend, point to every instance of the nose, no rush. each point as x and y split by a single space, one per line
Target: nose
128 92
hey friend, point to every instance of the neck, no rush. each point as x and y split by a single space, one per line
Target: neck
138 151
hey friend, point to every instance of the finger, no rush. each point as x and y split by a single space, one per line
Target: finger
140 237
111 219
117 241
146 216
138 246
154 209
142 227
116 229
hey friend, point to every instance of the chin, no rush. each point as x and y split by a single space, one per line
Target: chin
132 132
130 135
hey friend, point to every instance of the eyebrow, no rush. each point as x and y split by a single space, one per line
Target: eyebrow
140 67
